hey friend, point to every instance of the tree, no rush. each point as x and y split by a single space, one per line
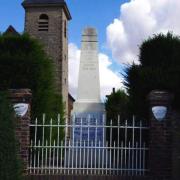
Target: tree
159 69
116 104
10 164
24 64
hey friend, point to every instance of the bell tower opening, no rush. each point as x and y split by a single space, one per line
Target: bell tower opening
43 22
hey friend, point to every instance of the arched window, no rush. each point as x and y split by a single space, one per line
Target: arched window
43 23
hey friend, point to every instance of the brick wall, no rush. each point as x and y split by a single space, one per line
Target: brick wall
176 145
81 177
160 142
22 129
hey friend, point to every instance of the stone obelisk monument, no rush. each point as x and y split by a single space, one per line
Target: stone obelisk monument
88 108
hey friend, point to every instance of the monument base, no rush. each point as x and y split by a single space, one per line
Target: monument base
79 107
88 120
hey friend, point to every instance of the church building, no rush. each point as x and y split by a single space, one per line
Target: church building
47 21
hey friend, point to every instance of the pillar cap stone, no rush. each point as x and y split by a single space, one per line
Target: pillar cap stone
19 95
160 97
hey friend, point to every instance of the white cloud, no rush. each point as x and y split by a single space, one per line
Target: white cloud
108 78
74 59
138 20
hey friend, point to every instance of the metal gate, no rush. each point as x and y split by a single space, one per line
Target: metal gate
123 150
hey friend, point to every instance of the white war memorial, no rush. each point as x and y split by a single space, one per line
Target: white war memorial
88 110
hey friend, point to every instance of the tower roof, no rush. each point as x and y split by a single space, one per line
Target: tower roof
43 1
34 3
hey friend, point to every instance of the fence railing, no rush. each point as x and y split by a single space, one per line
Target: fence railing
122 151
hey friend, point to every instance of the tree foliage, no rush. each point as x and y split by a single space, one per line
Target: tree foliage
24 64
116 104
159 69
10 164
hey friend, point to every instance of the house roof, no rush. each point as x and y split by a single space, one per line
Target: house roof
11 31
70 97
34 3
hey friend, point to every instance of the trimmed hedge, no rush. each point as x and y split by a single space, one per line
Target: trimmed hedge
159 69
10 164
24 64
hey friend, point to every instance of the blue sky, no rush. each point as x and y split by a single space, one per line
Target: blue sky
96 13
122 26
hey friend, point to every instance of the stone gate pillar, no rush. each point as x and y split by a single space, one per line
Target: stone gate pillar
21 100
160 152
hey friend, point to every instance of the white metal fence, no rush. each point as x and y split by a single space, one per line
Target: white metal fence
123 151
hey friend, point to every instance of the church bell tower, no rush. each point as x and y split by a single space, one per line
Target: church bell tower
47 21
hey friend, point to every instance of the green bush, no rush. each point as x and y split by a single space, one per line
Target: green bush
117 104
10 164
159 69
24 64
